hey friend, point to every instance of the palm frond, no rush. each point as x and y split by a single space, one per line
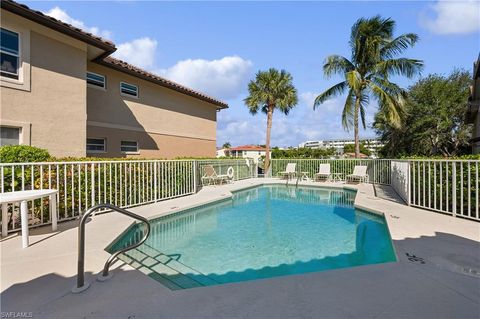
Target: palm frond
354 80
348 111
392 48
337 64
335 90
364 100
401 66
392 106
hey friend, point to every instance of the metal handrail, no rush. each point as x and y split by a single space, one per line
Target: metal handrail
81 286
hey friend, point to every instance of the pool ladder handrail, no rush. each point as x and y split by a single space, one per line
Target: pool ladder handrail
81 285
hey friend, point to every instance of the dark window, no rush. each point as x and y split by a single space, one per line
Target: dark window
96 145
129 147
128 89
10 54
96 79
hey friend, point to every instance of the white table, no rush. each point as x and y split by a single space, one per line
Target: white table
22 197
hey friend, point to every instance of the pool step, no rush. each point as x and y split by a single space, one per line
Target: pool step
178 266
165 269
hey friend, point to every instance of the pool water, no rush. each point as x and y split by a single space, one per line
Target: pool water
261 232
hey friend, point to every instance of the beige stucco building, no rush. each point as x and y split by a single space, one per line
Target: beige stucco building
61 90
473 114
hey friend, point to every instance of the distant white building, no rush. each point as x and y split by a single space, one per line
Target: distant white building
372 144
245 151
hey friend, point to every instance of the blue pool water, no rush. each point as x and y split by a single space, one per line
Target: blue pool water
262 232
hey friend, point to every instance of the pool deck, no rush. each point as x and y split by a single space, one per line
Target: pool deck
439 278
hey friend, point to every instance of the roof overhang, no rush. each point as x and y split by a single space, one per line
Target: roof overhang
101 47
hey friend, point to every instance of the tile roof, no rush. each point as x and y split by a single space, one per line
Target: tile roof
143 74
43 19
247 148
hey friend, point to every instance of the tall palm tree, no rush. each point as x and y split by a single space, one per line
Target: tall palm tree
373 60
271 90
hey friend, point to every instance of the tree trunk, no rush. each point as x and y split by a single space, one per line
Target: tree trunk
267 142
355 127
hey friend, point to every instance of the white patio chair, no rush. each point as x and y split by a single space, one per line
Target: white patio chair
209 174
359 174
290 171
324 172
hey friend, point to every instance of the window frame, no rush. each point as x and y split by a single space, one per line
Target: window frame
136 152
128 94
18 77
96 151
20 129
104 87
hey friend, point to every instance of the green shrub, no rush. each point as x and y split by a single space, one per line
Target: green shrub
23 154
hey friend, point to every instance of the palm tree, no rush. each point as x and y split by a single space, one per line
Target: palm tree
271 90
373 61
226 145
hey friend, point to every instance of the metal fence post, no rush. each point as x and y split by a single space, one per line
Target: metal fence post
155 196
454 189
409 183
194 177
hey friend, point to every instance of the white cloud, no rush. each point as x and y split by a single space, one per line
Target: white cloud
307 98
139 52
62 15
224 78
454 17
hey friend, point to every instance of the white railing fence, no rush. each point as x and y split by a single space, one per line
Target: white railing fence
82 185
242 168
378 170
446 186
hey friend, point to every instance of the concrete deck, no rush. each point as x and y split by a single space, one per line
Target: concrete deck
37 280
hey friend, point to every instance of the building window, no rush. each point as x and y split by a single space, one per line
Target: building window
96 80
9 135
96 145
129 147
128 89
10 54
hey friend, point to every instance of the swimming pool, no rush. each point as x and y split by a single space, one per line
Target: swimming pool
261 232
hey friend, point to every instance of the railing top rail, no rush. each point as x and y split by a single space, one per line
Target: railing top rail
332 159
112 162
436 160
90 162
376 159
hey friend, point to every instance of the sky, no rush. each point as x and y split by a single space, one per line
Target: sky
217 47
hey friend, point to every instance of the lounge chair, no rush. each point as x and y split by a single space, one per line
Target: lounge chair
324 172
211 176
290 171
359 174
